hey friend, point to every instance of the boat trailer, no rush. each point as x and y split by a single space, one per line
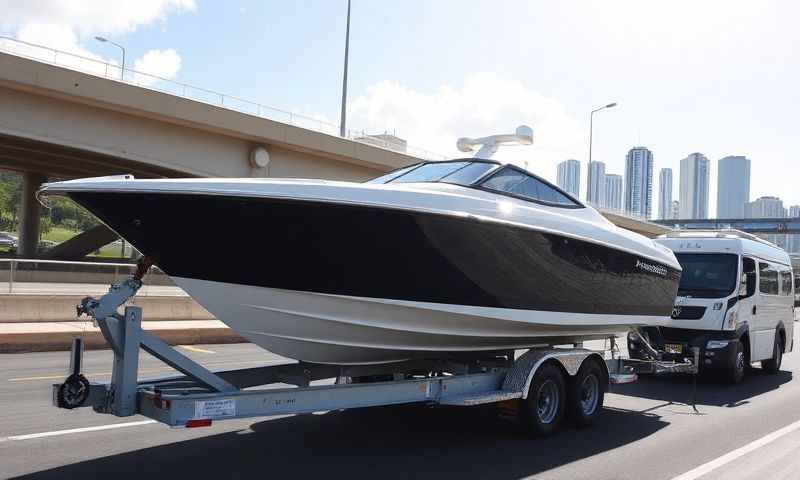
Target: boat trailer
199 396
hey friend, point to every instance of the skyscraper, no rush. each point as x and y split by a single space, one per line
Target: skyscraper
768 207
569 176
793 243
676 209
597 183
694 186
639 181
665 193
613 193
733 186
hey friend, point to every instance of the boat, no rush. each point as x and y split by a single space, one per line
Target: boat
457 257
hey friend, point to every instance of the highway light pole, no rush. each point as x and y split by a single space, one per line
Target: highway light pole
105 40
344 79
589 170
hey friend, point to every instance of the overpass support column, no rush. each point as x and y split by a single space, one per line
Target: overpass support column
30 216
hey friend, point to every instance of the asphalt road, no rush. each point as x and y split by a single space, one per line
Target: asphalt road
646 431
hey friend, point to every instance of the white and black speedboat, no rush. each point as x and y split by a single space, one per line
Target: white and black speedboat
435 258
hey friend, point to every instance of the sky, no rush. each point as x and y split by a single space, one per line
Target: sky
716 77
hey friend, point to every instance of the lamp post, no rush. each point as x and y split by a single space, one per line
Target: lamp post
105 40
344 79
589 170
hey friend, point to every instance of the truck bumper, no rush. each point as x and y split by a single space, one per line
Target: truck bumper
676 345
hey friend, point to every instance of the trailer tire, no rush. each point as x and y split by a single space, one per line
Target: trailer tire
585 394
773 365
543 409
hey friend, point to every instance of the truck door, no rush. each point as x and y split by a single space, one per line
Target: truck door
766 316
748 299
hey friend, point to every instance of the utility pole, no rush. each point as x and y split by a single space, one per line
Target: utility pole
343 120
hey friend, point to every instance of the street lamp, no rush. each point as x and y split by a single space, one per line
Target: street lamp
105 40
344 79
589 171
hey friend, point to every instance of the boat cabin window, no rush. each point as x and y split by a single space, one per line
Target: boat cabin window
767 279
520 184
708 275
458 172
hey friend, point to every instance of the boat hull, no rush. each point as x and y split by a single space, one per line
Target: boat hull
346 283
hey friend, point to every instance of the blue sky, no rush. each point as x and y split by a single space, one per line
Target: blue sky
717 77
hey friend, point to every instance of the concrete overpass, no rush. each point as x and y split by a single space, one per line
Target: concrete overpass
776 226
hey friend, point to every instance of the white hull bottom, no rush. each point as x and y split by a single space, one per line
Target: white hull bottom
336 329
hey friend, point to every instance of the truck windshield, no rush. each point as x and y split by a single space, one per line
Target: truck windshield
708 275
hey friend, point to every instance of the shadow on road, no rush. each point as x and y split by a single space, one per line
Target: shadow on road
710 391
386 442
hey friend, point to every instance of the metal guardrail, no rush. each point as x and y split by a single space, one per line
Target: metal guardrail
127 75
13 264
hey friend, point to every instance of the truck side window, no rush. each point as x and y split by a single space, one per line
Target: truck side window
768 279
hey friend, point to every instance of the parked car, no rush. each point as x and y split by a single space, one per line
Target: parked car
8 240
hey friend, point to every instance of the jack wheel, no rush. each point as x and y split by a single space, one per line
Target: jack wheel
73 392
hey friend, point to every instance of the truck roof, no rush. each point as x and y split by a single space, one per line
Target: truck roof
723 241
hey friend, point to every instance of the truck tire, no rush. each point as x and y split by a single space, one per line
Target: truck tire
736 371
543 410
586 391
773 365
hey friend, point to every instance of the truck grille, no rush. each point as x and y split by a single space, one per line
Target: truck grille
681 312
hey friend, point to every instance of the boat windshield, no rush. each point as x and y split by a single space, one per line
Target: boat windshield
458 172
708 275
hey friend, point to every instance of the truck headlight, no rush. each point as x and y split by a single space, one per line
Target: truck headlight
715 344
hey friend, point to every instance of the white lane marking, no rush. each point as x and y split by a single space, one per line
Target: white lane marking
739 452
56 433
196 349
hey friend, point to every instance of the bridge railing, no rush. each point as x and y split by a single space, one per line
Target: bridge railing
113 71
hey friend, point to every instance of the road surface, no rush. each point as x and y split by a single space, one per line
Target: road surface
646 431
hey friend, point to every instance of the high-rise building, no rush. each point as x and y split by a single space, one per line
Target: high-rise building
694 186
613 193
676 209
639 182
569 176
665 193
765 207
733 186
768 207
597 183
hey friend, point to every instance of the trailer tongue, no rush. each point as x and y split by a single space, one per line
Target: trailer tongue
539 388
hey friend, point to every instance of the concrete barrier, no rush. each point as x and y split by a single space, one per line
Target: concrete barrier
47 336
16 308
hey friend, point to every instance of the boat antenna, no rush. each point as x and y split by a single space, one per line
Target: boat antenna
489 145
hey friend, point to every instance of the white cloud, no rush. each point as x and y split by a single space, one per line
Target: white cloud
485 104
160 63
64 24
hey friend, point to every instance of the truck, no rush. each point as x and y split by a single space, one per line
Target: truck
735 304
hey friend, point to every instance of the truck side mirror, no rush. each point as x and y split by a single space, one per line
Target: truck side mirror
749 284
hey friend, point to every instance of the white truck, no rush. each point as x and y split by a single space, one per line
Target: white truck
735 303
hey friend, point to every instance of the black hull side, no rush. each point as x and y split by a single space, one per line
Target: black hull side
382 253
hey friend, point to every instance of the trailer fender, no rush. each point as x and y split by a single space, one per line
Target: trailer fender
519 377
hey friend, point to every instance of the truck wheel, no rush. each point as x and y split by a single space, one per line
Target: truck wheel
543 410
586 393
773 365
737 369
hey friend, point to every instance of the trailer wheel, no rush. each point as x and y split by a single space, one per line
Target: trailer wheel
585 394
543 410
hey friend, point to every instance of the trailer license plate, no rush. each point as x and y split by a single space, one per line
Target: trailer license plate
673 348
215 408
